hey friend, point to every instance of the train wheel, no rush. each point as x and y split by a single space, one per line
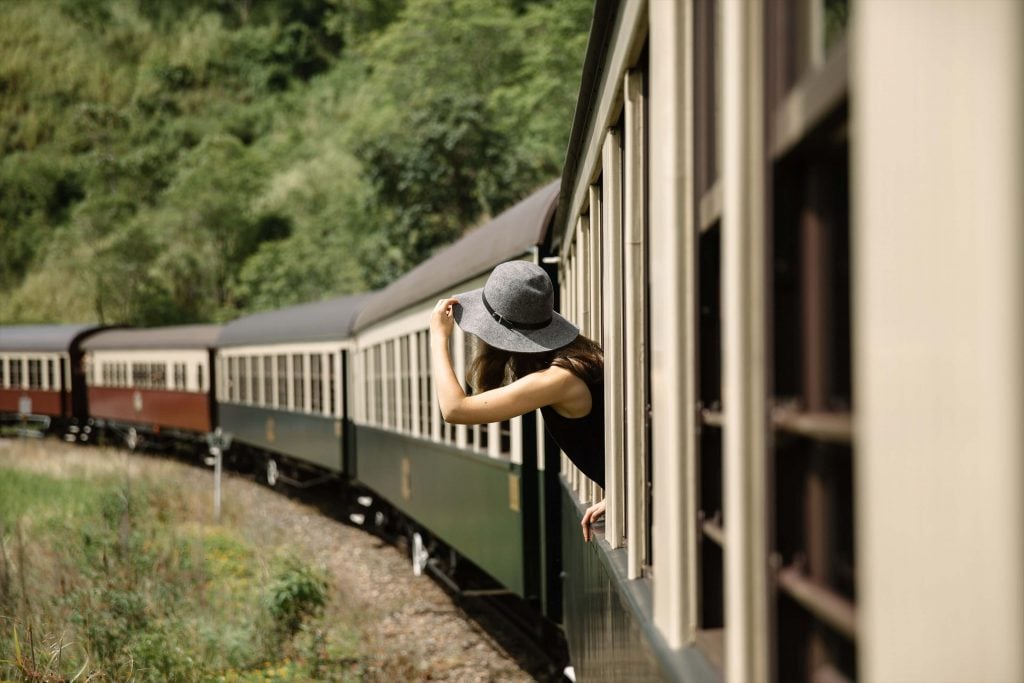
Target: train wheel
420 554
271 472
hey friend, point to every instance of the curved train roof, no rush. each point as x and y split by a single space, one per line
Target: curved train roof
170 337
41 337
507 236
319 321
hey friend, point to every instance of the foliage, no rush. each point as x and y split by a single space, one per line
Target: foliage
298 592
107 578
192 161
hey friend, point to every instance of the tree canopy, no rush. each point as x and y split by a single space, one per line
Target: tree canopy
198 160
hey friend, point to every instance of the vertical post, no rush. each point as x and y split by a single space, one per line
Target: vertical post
217 458
744 371
937 147
634 322
459 342
611 221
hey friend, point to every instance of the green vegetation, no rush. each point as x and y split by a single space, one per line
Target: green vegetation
196 160
110 579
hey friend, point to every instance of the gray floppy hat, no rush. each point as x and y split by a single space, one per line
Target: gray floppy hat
514 311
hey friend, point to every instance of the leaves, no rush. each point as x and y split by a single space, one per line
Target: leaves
173 164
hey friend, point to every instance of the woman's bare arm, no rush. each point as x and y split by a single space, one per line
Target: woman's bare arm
536 390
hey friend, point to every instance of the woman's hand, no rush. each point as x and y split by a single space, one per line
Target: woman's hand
593 513
442 320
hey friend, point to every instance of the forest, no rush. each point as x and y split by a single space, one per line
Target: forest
196 160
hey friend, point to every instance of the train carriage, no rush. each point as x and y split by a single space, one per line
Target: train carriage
478 489
41 373
803 262
281 394
152 383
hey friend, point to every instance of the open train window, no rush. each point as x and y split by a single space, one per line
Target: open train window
268 381
333 361
315 383
406 381
255 380
298 383
811 416
425 390
282 381
35 374
3 372
16 373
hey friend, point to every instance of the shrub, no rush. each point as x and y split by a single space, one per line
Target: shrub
296 593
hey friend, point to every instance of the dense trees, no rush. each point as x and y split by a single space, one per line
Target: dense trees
172 162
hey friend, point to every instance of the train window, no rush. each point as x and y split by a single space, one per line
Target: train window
807 311
369 378
199 377
812 415
255 381
391 385
243 379
709 379
316 384
159 375
282 381
378 386
268 381
366 370
49 381
35 374
139 372
16 373
3 372
423 349
332 361
298 383
406 358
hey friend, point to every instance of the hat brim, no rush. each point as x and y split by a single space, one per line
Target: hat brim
472 316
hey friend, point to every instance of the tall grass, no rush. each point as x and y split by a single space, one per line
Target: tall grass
109 577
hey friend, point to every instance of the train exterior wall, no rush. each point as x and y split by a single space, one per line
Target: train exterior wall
155 408
313 439
471 502
43 402
607 619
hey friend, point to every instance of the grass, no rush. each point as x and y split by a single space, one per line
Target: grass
109 575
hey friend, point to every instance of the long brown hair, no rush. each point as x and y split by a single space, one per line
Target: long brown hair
493 367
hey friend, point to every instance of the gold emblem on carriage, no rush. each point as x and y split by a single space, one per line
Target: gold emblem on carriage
137 401
513 492
406 479
271 433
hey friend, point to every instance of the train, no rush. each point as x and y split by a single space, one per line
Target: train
795 229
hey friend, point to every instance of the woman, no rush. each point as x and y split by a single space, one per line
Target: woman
531 357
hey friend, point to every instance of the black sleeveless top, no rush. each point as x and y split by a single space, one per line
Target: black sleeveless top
581 438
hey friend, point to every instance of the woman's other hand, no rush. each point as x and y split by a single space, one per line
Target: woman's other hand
442 320
593 513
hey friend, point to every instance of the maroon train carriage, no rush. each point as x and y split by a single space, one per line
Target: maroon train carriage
144 383
41 374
